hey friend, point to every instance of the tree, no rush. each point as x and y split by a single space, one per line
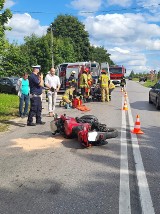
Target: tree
132 74
99 54
64 51
66 26
158 75
39 51
4 17
14 62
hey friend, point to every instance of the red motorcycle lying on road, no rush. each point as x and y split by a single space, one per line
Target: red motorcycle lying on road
87 129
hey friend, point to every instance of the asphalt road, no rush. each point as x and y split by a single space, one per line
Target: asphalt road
41 173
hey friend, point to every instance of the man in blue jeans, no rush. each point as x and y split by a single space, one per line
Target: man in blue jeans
23 92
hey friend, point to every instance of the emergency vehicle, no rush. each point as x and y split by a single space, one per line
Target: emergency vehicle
64 71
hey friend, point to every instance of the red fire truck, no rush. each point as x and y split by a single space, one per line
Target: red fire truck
116 72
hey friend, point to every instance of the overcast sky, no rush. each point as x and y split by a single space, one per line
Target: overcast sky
128 29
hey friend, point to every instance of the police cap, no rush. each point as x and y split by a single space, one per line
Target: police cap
36 66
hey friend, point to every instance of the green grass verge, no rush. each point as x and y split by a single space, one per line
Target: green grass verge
149 83
8 109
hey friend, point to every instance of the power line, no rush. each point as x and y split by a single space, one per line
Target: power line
100 11
123 9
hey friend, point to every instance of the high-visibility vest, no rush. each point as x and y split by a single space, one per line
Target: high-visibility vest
83 81
111 85
89 79
68 93
104 80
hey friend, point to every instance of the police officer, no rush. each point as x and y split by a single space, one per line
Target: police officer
84 84
104 83
35 83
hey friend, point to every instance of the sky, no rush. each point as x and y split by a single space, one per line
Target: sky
128 29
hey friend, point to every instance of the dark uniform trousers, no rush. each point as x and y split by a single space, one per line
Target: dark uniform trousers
35 109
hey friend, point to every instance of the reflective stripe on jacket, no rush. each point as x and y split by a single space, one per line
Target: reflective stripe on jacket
83 81
111 85
68 93
72 79
89 78
104 80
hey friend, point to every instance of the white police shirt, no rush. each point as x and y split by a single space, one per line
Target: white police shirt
52 81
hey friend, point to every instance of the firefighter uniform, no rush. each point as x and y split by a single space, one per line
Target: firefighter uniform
72 81
68 95
83 84
111 87
104 86
89 79
123 82
72 78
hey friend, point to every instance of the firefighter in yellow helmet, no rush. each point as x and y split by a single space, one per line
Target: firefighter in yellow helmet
83 84
104 84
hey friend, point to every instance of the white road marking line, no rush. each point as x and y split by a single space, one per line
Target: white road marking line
144 193
124 191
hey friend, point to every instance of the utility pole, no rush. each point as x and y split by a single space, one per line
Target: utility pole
52 46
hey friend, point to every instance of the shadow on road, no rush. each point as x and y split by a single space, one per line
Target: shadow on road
14 123
143 105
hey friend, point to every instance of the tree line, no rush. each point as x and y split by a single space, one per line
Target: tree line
156 75
66 40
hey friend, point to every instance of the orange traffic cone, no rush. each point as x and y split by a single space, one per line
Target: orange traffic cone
125 107
121 89
125 95
137 128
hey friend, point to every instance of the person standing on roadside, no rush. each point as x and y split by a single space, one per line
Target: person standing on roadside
123 82
23 92
83 83
104 83
52 82
72 78
36 84
90 81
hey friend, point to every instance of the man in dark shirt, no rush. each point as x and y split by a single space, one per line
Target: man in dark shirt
35 83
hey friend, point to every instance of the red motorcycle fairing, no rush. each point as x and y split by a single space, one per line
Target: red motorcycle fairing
87 129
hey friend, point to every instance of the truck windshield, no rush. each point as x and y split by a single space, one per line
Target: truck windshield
115 70
95 71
